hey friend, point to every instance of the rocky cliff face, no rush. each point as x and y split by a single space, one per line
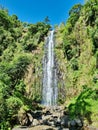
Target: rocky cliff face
33 77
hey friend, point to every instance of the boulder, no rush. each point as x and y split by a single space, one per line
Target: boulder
72 123
37 114
79 123
46 111
25 119
35 122
45 119
58 122
65 121
30 118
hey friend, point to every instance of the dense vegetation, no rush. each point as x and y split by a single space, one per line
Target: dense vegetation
20 61
21 52
77 51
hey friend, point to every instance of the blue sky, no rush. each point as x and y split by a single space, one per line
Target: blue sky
33 11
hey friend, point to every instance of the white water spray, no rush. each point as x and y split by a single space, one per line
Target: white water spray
50 91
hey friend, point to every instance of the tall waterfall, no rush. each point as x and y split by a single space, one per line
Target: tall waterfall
50 91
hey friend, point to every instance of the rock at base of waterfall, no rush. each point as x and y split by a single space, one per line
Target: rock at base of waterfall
43 127
20 128
37 114
79 122
65 121
35 122
55 118
25 119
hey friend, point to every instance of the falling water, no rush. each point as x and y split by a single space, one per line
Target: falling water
49 73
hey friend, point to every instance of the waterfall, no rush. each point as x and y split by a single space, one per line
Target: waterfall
50 91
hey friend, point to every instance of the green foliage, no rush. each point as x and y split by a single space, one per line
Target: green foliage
20 88
5 19
33 29
70 46
75 9
83 104
91 10
18 67
74 64
81 107
74 14
13 105
18 40
36 34
94 36
77 53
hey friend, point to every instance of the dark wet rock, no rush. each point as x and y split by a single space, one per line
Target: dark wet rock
37 114
45 119
46 112
54 117
79 122
72 123
58 122
65 121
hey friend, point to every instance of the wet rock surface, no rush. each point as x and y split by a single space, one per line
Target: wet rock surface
49 118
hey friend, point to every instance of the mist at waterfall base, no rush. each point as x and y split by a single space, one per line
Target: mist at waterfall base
50 90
